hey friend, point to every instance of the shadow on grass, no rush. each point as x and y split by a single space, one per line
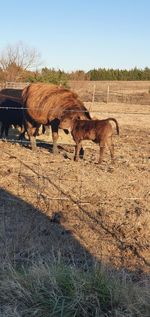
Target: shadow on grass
27 235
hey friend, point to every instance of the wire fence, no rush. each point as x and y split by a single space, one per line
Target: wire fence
74 111
94 93
93 194
35 186
26 142
71 145
56 194
13 85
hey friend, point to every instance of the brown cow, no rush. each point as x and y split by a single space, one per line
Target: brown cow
99 131
49 104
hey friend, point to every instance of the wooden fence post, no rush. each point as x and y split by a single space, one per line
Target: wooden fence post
107 97
93 97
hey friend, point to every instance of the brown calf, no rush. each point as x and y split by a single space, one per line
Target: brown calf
98 131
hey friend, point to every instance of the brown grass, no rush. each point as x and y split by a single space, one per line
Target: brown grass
53 289
115 86
54 210
105 208
134 92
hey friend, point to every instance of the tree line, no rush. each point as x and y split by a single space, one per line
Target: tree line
18 63
49 75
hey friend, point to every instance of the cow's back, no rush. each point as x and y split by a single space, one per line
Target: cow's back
94 130
11 112
45 102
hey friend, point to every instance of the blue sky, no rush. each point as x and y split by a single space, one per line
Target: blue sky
80 34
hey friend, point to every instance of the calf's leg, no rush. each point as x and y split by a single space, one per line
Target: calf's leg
111 148
77 150
55 138
102 148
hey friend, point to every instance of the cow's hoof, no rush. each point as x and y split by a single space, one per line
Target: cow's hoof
34 149
55 152
75 159
81 153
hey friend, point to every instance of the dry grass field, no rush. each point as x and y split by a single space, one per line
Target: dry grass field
51 205
75 236
116 86
132 92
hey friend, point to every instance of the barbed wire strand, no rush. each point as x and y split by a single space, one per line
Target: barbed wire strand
80 111
75 200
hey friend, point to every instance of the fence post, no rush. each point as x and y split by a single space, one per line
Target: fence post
107 97
93 97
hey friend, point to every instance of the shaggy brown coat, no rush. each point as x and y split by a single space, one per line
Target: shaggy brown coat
98 131
49 104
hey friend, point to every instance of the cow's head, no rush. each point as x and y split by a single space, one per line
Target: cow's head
68 119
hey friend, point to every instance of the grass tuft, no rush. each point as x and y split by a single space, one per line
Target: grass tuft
48 289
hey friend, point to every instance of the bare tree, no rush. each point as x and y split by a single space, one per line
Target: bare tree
16 59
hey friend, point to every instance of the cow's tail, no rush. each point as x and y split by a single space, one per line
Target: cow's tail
117 126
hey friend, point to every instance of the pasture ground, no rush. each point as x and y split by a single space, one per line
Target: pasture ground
129 92
51 205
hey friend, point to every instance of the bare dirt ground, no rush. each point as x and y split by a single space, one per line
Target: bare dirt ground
51 204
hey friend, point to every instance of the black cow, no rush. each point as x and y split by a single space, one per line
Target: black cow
11 112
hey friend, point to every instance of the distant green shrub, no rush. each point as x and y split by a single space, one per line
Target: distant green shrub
49 76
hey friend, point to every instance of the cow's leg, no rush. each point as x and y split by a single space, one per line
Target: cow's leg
33 142
77 150
22 128
32 132
6 128
2 129
43 128
54 127
81 153
22 133
46 130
